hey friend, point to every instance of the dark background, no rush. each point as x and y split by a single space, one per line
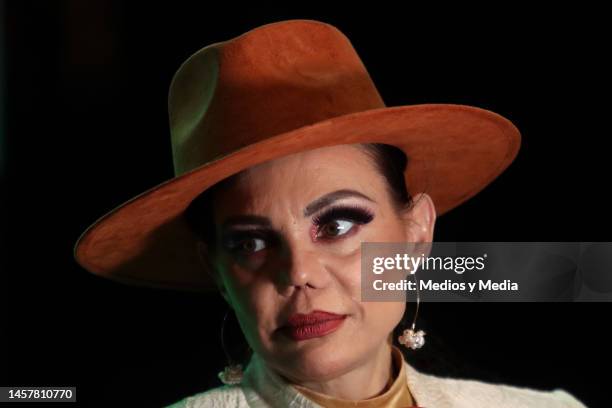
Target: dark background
86 128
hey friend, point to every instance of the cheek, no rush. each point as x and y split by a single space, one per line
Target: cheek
248 274
256 309
346 272
382 317
373 317
386 229
348 265
244 271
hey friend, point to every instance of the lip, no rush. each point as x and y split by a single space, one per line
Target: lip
315 324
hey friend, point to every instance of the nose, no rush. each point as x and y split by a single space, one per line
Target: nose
303 266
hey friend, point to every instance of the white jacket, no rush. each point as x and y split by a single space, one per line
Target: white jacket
263 388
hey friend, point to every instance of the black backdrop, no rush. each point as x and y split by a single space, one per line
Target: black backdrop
86 129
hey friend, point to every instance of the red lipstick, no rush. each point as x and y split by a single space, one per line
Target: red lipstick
315 324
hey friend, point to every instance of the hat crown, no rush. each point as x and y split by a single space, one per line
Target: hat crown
268 81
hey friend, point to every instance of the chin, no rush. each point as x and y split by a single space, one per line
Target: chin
319 359
320 363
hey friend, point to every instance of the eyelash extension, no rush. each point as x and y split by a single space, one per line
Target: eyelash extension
353 213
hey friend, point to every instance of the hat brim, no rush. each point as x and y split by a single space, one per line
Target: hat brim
454 150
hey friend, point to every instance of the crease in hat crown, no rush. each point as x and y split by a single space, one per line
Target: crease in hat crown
270 80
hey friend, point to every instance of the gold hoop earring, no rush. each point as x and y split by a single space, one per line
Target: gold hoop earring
411 338
232 373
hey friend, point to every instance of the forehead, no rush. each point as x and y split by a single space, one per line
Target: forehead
293 181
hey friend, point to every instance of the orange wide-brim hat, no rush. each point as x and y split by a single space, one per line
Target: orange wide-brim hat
279 89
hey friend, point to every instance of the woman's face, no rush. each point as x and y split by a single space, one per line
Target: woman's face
281 251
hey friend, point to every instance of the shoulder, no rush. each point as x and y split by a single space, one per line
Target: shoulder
224 396
513 396
475 393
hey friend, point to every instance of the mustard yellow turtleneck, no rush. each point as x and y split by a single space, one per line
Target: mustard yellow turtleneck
396 393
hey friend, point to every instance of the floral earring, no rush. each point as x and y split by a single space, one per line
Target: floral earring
231 375
412 339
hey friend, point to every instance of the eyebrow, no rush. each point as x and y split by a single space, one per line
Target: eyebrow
329 198
310 209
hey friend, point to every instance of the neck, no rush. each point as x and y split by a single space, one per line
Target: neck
365 381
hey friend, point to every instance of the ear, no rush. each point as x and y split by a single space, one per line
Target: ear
419 219
206 260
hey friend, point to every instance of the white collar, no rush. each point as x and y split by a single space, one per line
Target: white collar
264 388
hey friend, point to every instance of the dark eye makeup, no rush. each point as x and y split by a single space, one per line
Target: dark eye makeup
357 214
234 240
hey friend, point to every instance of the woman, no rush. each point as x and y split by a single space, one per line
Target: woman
286 161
